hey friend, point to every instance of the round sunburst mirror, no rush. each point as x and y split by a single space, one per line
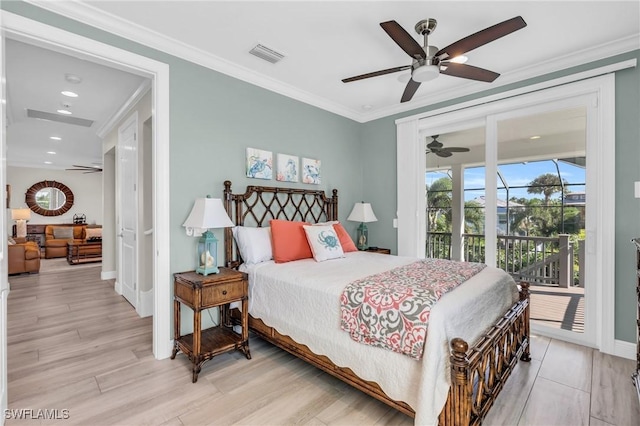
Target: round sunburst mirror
49 198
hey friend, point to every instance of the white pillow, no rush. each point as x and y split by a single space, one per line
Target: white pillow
254 244
324 242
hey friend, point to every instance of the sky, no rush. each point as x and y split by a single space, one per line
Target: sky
517 174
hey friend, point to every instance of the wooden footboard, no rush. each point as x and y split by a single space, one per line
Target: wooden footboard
478 373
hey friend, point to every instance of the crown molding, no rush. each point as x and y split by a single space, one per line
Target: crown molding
84 12
125 109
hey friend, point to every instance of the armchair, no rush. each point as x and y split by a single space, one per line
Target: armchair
23 257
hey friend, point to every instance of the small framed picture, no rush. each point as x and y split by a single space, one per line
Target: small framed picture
287 168
311 171
259 164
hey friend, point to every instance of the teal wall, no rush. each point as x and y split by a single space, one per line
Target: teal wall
379 175
215 117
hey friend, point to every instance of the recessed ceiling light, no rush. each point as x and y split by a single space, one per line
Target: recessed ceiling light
65 111
55 138
459 59
69 94
72 78
48 162
51 152
534 137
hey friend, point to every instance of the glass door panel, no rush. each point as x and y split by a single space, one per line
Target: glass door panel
541 212
454 182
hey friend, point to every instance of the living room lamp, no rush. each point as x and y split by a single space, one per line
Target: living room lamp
207 213
363 213
21 216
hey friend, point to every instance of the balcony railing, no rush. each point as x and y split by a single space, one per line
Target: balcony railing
542 260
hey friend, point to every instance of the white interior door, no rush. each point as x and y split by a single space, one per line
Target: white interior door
127 173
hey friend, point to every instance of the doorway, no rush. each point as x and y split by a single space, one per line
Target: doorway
32 32
492 122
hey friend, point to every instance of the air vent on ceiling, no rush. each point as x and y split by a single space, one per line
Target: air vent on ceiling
269 55
32 113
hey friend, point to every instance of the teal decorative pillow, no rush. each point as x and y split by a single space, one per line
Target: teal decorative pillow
63 233
324 242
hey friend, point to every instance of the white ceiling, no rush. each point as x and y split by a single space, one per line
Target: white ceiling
35 78
323 42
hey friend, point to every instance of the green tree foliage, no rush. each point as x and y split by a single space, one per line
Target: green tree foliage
547 184
439 205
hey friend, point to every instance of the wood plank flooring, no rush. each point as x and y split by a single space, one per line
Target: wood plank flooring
73 344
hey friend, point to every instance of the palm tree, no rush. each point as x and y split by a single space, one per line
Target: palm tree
547 184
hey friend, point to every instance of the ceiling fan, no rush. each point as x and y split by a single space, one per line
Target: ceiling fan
429 62
86 169
438 148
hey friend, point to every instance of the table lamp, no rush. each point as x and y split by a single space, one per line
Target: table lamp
363 213
207 213
21 216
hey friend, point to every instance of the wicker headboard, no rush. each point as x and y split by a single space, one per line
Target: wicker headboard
259 204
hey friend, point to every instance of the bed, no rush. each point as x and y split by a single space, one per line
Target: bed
454 384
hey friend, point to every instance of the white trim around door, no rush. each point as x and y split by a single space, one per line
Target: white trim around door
33 32
411 185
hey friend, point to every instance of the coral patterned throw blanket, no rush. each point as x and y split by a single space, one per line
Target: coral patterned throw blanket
391 309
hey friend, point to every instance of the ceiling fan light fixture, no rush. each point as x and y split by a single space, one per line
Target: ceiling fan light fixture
425 73
459 59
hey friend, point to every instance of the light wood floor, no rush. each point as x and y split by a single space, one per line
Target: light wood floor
74 344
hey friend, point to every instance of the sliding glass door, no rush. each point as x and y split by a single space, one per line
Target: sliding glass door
511 191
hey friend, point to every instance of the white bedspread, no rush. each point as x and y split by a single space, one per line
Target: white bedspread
301 299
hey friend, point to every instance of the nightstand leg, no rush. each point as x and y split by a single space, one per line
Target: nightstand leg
176 326
245 328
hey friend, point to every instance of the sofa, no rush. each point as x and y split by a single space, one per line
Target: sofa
23 256
58 236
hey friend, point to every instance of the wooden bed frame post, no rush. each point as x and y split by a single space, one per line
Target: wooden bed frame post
525 294
460 412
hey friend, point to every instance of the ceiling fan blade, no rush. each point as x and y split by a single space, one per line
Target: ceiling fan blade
469 71
456 149
376 73
410 90
481 38
434 144
403 39
442 153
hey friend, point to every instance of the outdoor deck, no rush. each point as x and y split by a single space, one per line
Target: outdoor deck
558 307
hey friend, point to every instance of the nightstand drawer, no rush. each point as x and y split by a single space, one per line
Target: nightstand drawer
224 293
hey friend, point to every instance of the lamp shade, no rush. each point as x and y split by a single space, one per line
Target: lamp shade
20 214
208 213
362 212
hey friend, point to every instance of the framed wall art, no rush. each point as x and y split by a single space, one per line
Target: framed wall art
311 171
259 164
287 168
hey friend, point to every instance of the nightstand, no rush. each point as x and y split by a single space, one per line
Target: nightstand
203 292
379 250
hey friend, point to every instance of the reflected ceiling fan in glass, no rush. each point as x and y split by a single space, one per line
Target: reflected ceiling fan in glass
437 148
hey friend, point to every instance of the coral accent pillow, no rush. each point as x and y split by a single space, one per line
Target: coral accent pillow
345 239
289 241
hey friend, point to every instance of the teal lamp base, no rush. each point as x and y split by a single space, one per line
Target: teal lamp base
207 250
362 237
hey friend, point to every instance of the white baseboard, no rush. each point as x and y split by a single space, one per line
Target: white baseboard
108 275
145 304
624 349
118 287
